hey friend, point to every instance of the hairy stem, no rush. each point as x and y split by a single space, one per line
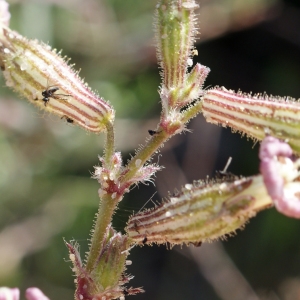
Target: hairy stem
107 205
109 143
105 212
145 154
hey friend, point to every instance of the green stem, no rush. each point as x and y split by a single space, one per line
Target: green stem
144 154
106 207
109 144
157 141
105 212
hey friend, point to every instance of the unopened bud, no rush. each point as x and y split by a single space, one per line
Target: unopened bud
188 92
201 213
254 115
43 77
175 26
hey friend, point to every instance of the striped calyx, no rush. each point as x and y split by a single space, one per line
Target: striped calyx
254 115
200 213
175 29
43 77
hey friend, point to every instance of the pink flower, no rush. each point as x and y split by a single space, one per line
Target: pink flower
4 13
281 175
32 293
9 294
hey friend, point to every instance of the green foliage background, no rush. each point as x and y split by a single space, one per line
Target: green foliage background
45 164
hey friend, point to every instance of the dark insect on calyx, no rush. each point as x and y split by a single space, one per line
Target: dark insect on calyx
69 120
49 93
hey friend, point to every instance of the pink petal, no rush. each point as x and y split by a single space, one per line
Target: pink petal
271 147
289 203
9 294
34 293
272 179
279 176
4 13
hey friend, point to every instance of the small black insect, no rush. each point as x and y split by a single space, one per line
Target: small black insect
49 93
69 120
153 132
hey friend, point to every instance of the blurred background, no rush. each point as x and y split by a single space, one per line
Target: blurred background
46 192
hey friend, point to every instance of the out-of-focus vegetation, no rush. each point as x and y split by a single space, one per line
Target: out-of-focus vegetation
45 186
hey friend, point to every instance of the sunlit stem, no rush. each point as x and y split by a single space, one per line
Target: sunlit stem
109 144
144 154
157 141
105 212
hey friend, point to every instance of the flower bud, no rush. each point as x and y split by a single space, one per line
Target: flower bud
175 31
200 213
186 93
43 77
255 115
175 26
